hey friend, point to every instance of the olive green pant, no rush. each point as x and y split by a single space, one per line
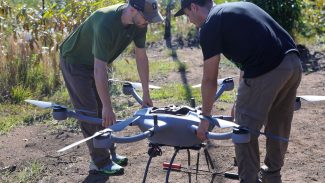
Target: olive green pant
267 100
80 82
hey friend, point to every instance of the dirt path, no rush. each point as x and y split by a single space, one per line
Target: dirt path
305 160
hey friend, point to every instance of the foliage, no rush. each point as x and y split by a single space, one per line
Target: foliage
30 38
19 93
285 12
313 21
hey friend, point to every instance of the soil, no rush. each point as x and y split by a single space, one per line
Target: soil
304 163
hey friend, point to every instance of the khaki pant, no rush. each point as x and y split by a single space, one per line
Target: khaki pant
80 82
267 100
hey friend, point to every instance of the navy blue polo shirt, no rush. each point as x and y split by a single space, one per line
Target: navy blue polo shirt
247 36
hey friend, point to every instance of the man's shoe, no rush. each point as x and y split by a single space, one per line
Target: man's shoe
110 169
120 160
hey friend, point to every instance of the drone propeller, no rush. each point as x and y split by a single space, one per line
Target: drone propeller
221 123
122 124
118 127
312 98
135 85
226 124
47 105
114 128
220 82
44 105
106 130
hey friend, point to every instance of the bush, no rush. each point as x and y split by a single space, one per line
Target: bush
313 21
285 12
19 93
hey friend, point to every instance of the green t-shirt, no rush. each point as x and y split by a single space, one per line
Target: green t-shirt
101 35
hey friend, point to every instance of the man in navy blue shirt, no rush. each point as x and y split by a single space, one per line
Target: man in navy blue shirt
270 75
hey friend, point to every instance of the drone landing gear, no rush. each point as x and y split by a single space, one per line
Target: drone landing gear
154 150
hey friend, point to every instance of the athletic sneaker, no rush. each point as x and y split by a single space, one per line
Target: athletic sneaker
110 169
120 160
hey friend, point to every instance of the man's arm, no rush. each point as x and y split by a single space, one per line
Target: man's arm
143 70
101 80
208 90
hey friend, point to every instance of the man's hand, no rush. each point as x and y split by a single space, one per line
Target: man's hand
108 117
147 102
202 130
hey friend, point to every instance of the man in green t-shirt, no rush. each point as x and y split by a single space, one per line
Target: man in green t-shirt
85 54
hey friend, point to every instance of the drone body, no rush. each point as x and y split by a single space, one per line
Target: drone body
170 126
169 133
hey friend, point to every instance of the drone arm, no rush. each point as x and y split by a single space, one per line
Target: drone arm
87 119
219 136
220 91
105 141
215 136
128 89
136 96
134 138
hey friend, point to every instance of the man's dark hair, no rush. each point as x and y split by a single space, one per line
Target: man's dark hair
187 4
202 3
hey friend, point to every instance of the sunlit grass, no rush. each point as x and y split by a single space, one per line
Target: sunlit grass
178 93
228 96
29 174
13 115
125 69
224 62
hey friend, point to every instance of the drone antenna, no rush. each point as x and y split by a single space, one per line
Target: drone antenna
155 120
193 105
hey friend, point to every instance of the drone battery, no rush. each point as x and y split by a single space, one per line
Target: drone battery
102 141
240 136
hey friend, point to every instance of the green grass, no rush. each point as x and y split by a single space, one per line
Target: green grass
225 63
126 69
174 91
13 115
181 94
29 174
228 96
